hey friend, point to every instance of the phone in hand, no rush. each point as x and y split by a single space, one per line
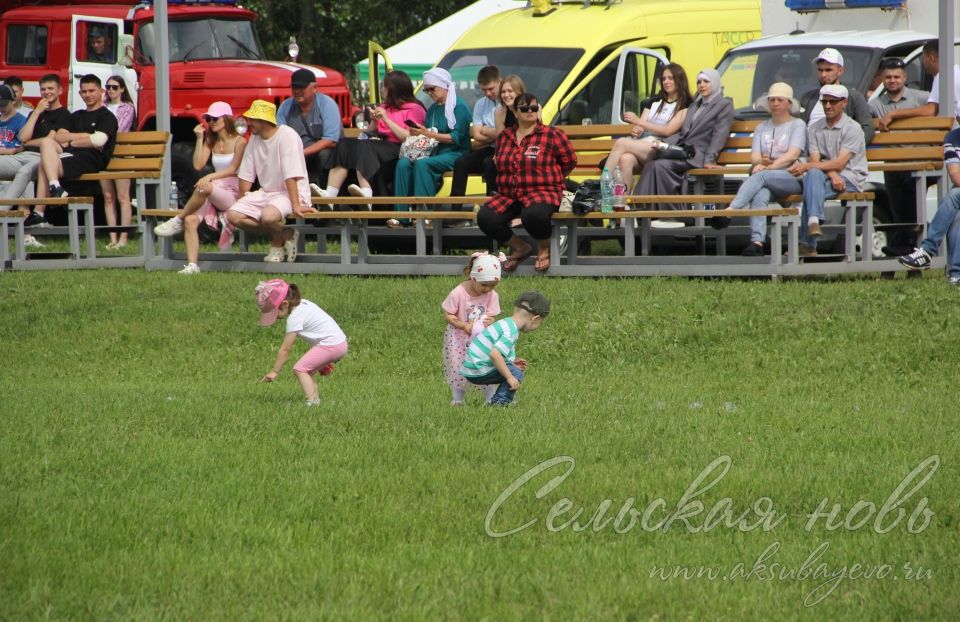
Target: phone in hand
411 124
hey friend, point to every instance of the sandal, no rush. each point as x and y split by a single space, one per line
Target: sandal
514 260
542 264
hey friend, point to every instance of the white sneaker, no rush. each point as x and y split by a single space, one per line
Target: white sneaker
274 256
315 402
290 247
170 228
666 223
357 191
317 191
190 268
31 242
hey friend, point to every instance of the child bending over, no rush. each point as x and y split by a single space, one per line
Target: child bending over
277 298
492 357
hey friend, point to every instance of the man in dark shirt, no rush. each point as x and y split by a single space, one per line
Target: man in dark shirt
84 146
21 168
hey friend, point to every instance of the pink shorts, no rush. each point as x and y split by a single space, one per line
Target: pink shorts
252 204
222 196
319 356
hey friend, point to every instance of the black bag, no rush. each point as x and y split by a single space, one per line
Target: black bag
587 197
674 152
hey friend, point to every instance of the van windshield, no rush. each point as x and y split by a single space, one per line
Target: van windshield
747 74
201 39
541 69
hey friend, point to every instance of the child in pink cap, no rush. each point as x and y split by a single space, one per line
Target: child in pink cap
469 308
277 298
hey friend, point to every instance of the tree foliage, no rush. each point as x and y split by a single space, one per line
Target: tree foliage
335 34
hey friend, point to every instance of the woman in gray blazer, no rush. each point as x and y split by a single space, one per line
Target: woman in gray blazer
705 129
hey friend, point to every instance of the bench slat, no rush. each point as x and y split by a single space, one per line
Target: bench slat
140 138
69 200
134 164
135 150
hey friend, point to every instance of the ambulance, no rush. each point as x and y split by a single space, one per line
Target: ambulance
589 61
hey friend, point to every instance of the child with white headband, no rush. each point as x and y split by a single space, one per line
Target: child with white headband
469 308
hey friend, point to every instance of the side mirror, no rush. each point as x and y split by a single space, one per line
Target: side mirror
125 57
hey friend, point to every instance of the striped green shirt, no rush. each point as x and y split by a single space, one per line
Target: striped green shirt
501 335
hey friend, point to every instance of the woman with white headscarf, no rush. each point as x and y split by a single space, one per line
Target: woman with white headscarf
448 121
705 129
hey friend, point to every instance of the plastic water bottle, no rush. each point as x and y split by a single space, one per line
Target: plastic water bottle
174 196
606 191
619 190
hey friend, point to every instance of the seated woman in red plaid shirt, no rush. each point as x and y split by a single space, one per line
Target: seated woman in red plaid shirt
532 160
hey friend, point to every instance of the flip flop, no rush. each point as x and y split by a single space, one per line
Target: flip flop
513 261
543 264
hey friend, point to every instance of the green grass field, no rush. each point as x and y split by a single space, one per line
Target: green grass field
146 474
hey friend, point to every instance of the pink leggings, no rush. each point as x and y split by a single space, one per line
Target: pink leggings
319 356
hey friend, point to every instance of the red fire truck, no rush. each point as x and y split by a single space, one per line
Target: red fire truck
215 55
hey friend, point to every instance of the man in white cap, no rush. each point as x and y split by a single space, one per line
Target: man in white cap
829 70
837 163
274 157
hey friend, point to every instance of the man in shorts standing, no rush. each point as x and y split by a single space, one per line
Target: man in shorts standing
274 157
85 145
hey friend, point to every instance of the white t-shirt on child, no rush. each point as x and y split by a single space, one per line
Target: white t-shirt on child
314 325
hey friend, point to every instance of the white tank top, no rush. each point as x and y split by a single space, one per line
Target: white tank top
221 161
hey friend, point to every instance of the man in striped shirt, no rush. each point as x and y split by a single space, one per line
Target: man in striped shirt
492 356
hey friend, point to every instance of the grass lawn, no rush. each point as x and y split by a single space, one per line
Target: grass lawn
146 474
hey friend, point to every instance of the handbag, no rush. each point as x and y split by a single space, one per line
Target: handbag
674 152
587 198
417 147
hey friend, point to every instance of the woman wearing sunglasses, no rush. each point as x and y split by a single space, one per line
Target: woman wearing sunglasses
532 160
448 122
118 101
218 142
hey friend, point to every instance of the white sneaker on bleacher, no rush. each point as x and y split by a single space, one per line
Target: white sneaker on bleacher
276 255
31 242
170 228
317 191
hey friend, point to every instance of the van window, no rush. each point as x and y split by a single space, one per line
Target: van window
594 102
640 74
26 44
96 42
541 69
747 74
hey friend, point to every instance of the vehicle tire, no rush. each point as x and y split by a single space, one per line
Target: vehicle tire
182 172
881 216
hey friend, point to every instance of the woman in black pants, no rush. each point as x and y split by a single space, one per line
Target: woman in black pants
532 160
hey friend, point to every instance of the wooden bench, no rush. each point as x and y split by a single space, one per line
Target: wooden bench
15 218
357 222
912 145
137 156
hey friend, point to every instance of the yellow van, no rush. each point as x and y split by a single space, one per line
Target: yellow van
588 62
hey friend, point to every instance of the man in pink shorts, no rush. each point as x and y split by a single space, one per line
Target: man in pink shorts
274 156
